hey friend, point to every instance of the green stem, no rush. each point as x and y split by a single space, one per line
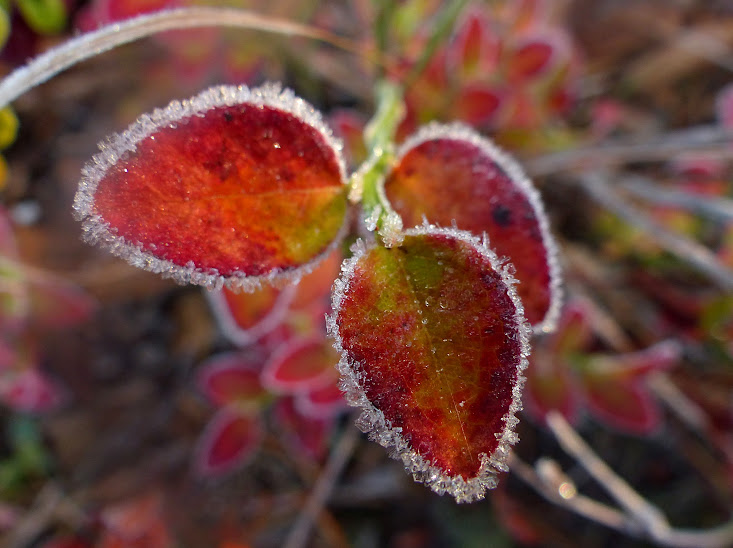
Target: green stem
367 183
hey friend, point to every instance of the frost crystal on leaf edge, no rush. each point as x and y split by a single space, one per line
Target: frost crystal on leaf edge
97 232
373 421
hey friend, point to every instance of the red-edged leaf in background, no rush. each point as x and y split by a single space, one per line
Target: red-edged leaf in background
233 186
232 378
433 342
229 440
322 402
475 48
449 174
300 366
246 317
536 55
478 104
302 433
615 390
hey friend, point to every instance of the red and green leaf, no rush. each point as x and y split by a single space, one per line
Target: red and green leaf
450 174
433 341
228 442
233 186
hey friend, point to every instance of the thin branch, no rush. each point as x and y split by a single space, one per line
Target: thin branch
713 140
687 250
718 208
338 458
634 504
636 508
584 506
91 44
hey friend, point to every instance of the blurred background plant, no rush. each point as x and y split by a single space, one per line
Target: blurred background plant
137 413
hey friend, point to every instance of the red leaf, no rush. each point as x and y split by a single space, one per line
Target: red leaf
231 378
8 246
300 366
536 56
433 342
451 174
303 433
316 285
475 48
625 405
234 186
228 442
478 105
322 402
246 317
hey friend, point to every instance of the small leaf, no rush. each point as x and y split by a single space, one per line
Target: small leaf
233 186
231 378
302 433
625 405
536 56
322 402
246 317
227 442
478 105
300 366
449 174
433 342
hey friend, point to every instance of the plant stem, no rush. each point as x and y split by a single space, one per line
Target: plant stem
637 510
340 455
91 44
367 183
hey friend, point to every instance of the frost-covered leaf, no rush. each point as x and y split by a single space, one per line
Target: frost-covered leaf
231 379
227 442
300 366
449 174
233 186
433 342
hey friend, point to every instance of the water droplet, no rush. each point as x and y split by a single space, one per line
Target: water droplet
425 321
